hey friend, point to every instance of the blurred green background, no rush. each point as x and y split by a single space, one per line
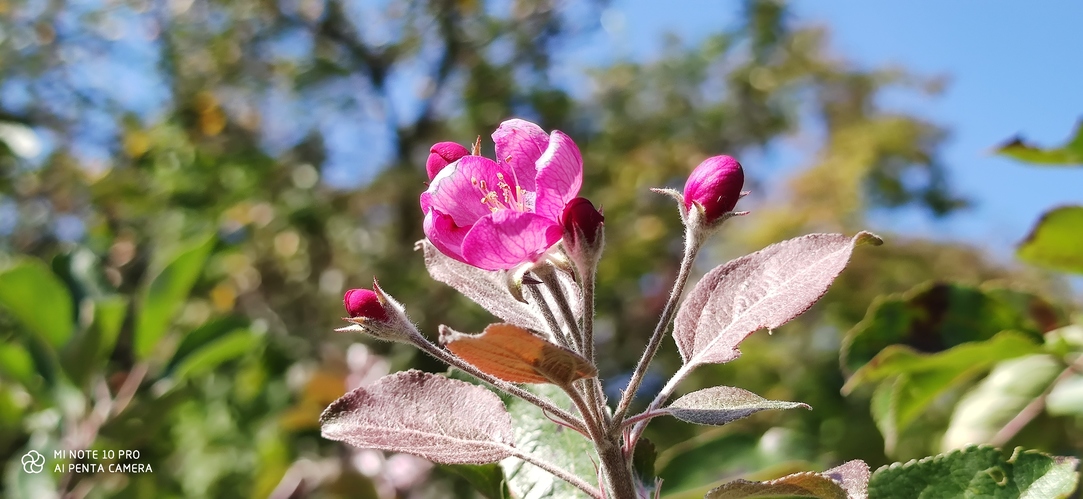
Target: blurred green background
187 188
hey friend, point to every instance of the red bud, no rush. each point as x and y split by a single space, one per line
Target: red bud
580 213
716 185
364 303
443 154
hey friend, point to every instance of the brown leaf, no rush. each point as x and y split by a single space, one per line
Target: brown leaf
440 419
514 354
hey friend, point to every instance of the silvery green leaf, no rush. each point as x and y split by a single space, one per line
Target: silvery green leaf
723 404
765 289
490 289
444 420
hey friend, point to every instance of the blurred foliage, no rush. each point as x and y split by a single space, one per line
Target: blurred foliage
953 364
187 187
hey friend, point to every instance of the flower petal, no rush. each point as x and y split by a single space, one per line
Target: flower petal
519 144
453 192
507 238
560 175
444 234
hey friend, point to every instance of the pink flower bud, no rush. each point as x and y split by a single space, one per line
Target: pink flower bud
443 154
365 303
716 185
580 214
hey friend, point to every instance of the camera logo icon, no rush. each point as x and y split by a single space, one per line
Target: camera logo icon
33 462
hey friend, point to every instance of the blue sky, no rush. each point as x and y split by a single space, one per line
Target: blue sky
1011 69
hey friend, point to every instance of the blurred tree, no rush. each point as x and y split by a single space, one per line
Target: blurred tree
296 132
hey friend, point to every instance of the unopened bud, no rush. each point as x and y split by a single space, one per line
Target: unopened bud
443 154
377 314
364 303
584 235
580 214
715 185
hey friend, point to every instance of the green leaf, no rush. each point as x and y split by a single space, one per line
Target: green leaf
911 380
1054 242
16 363
230 346
165 292
723 404
978 472
564 447
643 460
89 349
711 459
938 316
203 335
39 300
487 479
1065 340
847 481
708 458
967 357
884 411
989 406
1066 397
1071 153
109 313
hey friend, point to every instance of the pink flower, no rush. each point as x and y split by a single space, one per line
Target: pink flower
496 215
715 185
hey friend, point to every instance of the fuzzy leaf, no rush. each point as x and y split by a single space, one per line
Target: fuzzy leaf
440 419
765 289
989 406
723 404
514 354
1071 153
847 481
1054 242
486 288
978 472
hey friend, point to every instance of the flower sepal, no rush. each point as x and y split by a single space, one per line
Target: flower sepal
696 215
377 314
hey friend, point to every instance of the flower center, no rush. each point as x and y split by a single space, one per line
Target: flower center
509 199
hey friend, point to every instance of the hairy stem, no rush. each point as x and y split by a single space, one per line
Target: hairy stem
593 386
617 467
693 242
644 417
550 318
542 403
549 277
595 431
